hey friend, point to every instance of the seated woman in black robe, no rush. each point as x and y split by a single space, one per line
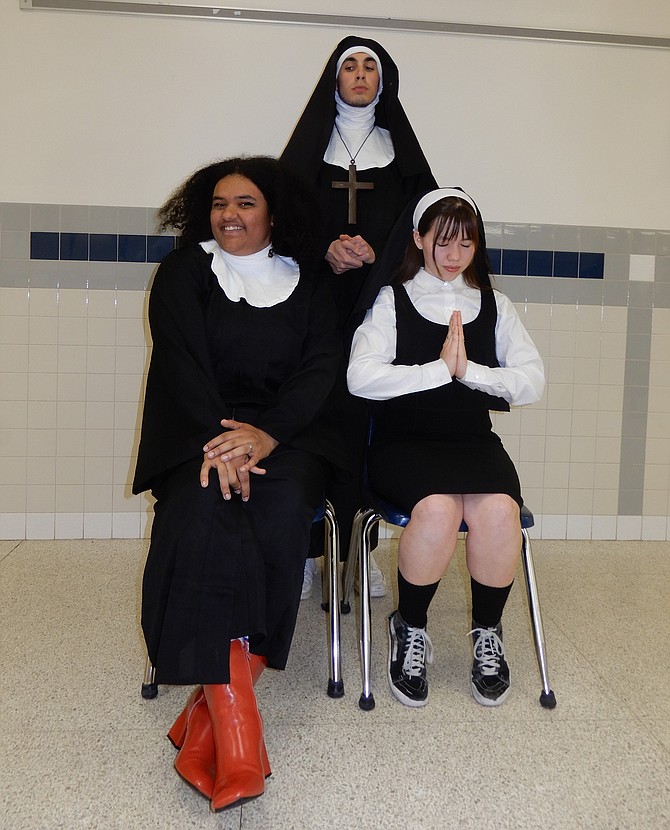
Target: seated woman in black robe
244 338
437 351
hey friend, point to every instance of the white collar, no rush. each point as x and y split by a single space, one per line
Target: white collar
432 284
355 125
259 279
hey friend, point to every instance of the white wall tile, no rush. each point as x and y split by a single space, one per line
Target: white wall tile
14 301
43 302
603 527
642 267
71 414
72 358
126 525
101 331
72 386
98 526
14 414
40 526
70 498
14 386
554 527
69 526
73 302
655 528
102 303
13 498
13 357
578 527
13 471
100 415
13 525
13 442
629 527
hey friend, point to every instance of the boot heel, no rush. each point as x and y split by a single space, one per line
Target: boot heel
177 733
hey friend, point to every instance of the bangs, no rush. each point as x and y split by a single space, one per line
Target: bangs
455 219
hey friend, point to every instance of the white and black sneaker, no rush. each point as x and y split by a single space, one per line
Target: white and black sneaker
490 672
409 651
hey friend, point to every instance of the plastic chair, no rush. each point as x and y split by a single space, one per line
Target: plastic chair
330 603
359 553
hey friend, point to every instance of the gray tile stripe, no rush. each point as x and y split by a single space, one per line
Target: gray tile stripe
635 412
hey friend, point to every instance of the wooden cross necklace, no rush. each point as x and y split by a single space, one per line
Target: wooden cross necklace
352 184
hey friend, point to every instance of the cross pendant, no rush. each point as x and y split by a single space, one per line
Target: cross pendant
352 186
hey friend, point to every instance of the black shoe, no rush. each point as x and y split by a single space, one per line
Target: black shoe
409 651
490 672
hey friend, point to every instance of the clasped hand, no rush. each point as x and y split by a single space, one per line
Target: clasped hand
348 252
453 349
234 454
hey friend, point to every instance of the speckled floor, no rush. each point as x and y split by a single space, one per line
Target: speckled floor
79 748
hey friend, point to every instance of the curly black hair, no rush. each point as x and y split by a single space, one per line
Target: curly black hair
291 202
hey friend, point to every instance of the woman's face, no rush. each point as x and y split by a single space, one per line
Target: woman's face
450 258
240 217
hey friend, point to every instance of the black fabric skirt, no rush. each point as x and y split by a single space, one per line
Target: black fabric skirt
218 570
405 468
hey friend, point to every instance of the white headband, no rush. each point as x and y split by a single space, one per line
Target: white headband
435 196
352 51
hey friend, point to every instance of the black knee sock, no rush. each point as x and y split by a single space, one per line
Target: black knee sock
488 603
413 601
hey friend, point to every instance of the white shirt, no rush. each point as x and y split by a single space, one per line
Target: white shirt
371 374
261 280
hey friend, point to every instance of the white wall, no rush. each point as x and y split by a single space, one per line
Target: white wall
565 147
117 109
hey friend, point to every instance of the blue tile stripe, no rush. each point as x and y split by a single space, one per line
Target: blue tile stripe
575 264
99 247
109 247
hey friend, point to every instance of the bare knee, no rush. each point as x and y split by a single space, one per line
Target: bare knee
496 511
438 511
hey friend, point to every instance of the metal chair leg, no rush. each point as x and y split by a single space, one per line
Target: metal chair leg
332 580
149 685
366 700
352 558
547 698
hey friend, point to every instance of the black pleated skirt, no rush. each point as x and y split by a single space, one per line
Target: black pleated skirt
455 454
218 570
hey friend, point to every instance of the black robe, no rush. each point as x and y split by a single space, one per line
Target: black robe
219 569
377 210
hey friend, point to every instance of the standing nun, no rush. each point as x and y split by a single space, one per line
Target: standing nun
356 144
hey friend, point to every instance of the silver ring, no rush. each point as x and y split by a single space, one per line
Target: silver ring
251 448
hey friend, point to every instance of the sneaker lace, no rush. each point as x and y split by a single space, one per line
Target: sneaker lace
488 650
418 652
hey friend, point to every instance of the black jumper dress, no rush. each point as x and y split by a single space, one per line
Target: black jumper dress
440 440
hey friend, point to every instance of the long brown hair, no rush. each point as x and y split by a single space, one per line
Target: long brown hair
449 217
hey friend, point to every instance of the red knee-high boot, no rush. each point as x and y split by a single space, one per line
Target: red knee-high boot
177 732
192 735
258 663
238 733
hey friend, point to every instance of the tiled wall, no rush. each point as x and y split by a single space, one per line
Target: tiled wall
593 455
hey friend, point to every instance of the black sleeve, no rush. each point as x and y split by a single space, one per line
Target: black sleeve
182 407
